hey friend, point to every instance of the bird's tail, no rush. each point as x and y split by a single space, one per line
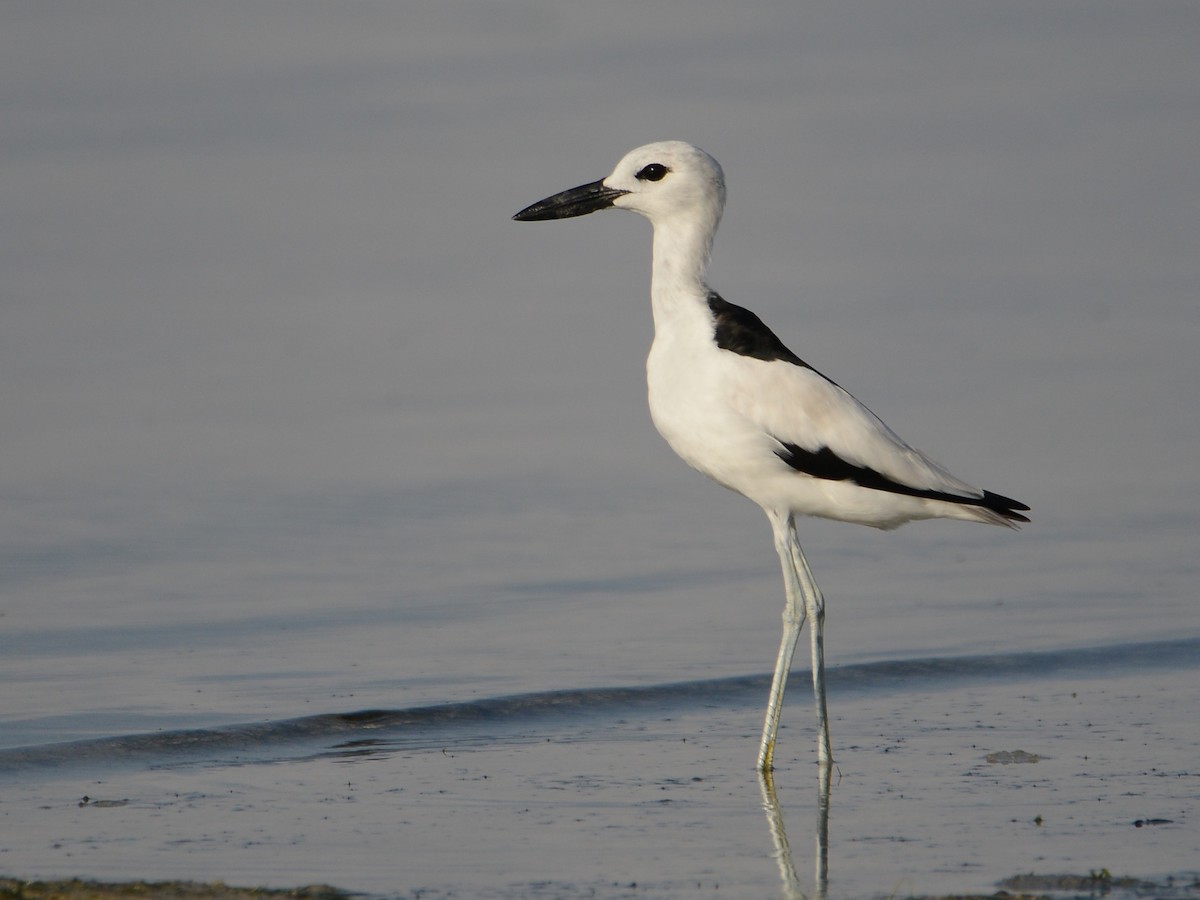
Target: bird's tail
996 509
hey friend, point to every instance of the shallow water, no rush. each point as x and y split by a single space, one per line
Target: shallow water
296 423
951 775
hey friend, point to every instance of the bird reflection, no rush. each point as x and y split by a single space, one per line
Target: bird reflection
783 851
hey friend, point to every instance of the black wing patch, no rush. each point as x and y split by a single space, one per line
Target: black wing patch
742 332
824 463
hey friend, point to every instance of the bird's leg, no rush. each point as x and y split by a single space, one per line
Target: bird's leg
814 607
793 620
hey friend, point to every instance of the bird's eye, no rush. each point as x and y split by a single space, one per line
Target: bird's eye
653 172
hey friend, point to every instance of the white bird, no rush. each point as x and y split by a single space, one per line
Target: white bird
739 406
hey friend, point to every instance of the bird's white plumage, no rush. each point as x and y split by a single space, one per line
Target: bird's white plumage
740 412
728 415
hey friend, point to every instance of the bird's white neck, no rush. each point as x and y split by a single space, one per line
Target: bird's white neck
681 252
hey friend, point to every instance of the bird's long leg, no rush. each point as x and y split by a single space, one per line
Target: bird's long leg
793 620
814 607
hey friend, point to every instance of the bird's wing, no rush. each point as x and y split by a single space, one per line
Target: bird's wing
824 431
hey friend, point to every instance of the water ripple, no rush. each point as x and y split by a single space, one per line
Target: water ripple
496 718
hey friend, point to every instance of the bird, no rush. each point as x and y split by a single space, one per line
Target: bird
737 405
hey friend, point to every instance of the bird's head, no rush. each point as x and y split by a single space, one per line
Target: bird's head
662 181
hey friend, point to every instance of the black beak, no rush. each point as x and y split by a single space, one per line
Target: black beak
579 201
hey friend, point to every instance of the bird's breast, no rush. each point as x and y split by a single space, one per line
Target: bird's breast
693 405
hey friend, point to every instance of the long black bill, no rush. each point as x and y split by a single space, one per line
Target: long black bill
578 201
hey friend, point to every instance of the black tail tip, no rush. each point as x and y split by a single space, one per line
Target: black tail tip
1005 506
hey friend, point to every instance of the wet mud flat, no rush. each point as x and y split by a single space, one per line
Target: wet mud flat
1018 887
77 889
966 785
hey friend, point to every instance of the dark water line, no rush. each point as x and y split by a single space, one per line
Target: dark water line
435 724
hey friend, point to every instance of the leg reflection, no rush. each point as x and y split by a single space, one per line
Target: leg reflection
783 851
